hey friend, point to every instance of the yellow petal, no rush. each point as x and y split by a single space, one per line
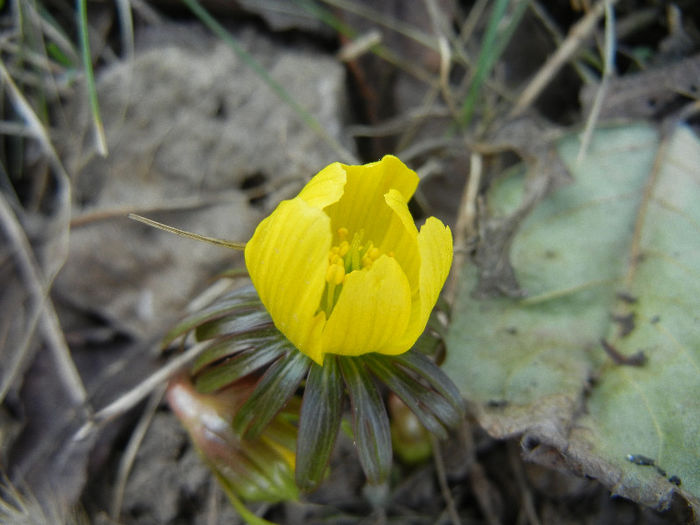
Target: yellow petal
287 260
374 306
435 247
326 187
401 237
362 205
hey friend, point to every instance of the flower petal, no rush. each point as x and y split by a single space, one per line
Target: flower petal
326 187
374 306
435 247
287 259
362 205
401 238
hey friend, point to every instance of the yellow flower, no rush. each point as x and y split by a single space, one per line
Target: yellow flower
342 268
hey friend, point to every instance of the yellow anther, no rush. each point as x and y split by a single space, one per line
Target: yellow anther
366 261
374 253
343 233
335 274
337 259
344 248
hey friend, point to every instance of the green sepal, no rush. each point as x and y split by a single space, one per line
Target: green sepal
244 322
424 368
229 347
321 410
244 363
276 386
369 420
237 300
435 412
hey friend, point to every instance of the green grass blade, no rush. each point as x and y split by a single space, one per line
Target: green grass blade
90 78
492 46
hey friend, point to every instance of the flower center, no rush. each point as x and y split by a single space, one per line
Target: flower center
343 259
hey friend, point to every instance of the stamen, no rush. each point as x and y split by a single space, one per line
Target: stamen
335 273
344 259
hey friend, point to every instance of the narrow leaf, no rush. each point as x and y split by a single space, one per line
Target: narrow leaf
239 323
436 378
242 299
275 388
434 411
370 421
319 422
230 371
230 346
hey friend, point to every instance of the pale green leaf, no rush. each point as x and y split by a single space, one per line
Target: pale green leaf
616 251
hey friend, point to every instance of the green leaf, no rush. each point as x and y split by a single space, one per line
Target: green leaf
276 386
239 300
239 322
430 372
241 365
615 256
435 412
227 347
369 420
321 410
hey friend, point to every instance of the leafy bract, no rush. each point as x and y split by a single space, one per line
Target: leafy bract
609 266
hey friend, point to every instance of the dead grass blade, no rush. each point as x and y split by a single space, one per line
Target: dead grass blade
42 312
578 35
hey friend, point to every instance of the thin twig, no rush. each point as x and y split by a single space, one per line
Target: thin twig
516 463
183 233
42 311
577 36
550 25
608 71
466 227
443 37
134 396
359 46
172 205
390 22
442 481
399 123
127 459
